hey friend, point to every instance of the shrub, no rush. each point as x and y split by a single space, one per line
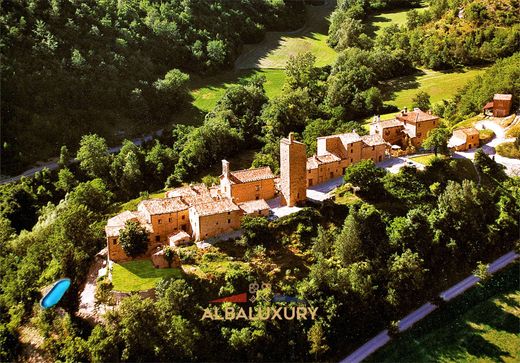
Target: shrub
187 255
508 150
514 131
486 136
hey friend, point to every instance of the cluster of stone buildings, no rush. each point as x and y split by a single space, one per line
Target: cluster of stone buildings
197 212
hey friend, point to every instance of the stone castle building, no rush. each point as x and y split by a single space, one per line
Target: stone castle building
198 212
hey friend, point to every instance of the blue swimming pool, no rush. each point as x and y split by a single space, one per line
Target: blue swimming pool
55 293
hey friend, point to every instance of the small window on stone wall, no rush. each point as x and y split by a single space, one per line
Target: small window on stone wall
229 221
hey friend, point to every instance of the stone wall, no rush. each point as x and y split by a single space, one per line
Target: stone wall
245 192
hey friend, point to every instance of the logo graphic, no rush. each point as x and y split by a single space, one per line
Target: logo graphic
260 312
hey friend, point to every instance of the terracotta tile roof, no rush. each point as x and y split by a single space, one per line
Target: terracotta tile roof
346 138
389 123
349 138
215 207
456 140
503 97
188 190
163 205
116 223
190 200
469 131
415 116
373 140
314 161
215 192
488 105
250 175
254 206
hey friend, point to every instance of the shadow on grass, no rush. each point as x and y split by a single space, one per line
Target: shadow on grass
393 86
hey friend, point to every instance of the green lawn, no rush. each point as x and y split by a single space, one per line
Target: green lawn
207 91
377 22
277 47
423 159
139 275
439 85
315 43
482 325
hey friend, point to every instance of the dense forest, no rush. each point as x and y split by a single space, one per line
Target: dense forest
364 264
446 35
113 67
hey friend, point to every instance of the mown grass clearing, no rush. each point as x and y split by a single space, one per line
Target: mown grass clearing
439 85
207 91
277 47
378 22
482 325
139 275
315 43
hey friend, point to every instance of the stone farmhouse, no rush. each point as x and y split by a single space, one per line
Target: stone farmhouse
198 212
406 129
464 139
500 106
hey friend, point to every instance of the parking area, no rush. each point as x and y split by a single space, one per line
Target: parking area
394 164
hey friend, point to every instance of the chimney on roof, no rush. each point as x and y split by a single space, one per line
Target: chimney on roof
291 137
225 168
405 110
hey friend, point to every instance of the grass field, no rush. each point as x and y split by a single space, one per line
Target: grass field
277 47
139 275
482 325
207 91
424 159
439 85
377 22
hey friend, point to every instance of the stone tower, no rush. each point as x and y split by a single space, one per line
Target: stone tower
293 169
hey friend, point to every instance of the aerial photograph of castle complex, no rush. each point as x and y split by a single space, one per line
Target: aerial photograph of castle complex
260 181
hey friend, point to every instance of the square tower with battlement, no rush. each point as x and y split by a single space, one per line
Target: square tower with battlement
293 171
